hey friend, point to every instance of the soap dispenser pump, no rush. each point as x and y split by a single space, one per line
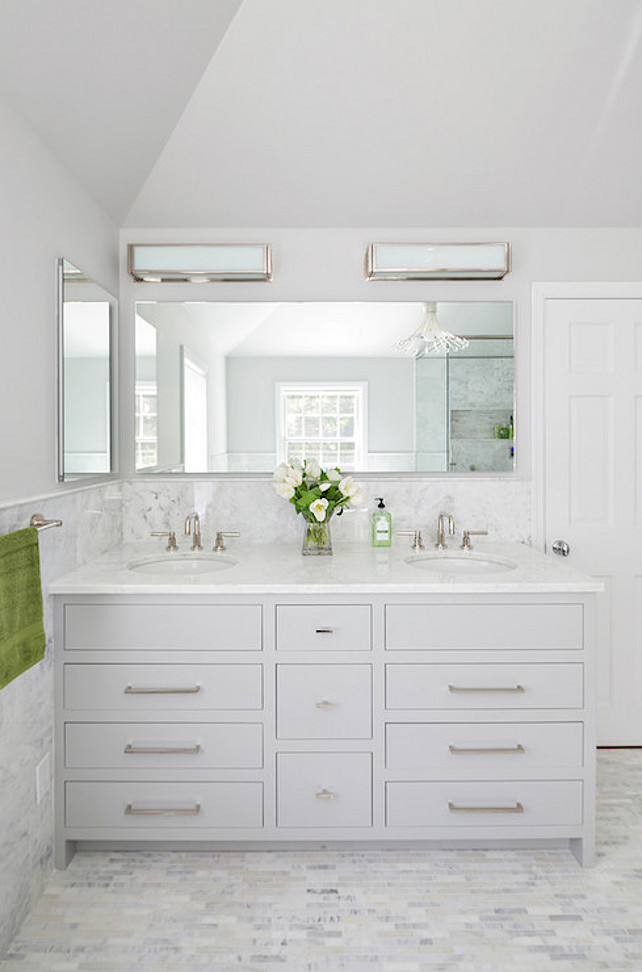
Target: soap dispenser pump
381 525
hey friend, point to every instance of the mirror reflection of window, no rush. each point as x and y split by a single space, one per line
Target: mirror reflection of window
146 405
322 421
195 434
146 425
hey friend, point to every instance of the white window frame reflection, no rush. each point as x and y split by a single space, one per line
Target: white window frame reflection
145 390
329 449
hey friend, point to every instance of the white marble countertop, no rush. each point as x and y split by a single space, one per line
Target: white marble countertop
353 568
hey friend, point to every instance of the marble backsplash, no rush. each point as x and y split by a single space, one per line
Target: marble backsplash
92 523
501 506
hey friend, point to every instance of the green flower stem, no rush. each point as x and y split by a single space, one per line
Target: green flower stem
316 535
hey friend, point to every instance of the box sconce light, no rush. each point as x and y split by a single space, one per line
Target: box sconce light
437 261
198 263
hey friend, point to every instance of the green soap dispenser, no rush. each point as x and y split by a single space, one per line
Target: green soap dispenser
381 525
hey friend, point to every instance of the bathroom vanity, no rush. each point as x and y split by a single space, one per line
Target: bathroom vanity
317 701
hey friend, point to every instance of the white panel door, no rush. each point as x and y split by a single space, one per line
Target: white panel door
593 483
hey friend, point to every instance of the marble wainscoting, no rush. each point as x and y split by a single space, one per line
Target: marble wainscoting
92 524
501 506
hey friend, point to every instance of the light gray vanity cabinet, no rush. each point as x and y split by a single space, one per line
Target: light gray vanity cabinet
253 720
160 719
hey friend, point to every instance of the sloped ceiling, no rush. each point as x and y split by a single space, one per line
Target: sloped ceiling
341 113
104 82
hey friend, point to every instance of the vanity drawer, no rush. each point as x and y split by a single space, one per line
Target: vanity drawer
483 805
145 806
434 626
324 790
157 626
513 686
324 701
151 745
333 627
505 747
146 688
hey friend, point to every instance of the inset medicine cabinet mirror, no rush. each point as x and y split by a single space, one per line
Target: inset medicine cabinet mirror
86 370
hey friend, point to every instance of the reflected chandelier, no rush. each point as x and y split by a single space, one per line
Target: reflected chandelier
430 337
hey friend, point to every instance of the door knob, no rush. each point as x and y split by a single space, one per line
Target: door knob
561 548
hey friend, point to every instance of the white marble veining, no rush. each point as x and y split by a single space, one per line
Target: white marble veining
352 910
501 506
355 567
92 523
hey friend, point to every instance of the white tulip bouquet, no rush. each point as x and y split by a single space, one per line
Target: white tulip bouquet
317 494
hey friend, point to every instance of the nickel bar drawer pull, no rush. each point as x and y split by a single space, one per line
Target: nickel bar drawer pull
325 704
324 630
498 688
324 794
131 811
473 750
190 690
180 750
517 808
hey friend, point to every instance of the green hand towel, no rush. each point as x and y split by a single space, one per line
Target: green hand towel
22 634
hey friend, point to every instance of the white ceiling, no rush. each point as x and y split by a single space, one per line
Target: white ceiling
342 113
104 82
316 329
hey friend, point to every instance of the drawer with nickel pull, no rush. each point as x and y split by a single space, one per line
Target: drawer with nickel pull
160 626
141 805
332 627
324 701
143 688
485 686
324 790
152 745
514 748
498 804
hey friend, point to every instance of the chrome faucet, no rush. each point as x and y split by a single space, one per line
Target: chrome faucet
193 529
441 529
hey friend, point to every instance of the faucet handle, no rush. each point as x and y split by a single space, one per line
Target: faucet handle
465 540
417 542
171 538
219 543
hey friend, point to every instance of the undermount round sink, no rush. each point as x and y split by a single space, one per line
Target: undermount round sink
461 563
185 565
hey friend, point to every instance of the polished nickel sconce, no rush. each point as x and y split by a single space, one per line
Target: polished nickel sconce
437 261
199 263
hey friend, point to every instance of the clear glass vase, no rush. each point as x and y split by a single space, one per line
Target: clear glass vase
317 541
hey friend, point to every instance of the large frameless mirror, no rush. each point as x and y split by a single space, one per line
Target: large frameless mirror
86 328
241 387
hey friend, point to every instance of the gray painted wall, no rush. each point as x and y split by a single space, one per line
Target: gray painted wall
251 397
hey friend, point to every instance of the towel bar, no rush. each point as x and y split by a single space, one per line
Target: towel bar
38 521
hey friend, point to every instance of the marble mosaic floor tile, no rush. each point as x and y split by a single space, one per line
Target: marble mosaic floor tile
352 911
